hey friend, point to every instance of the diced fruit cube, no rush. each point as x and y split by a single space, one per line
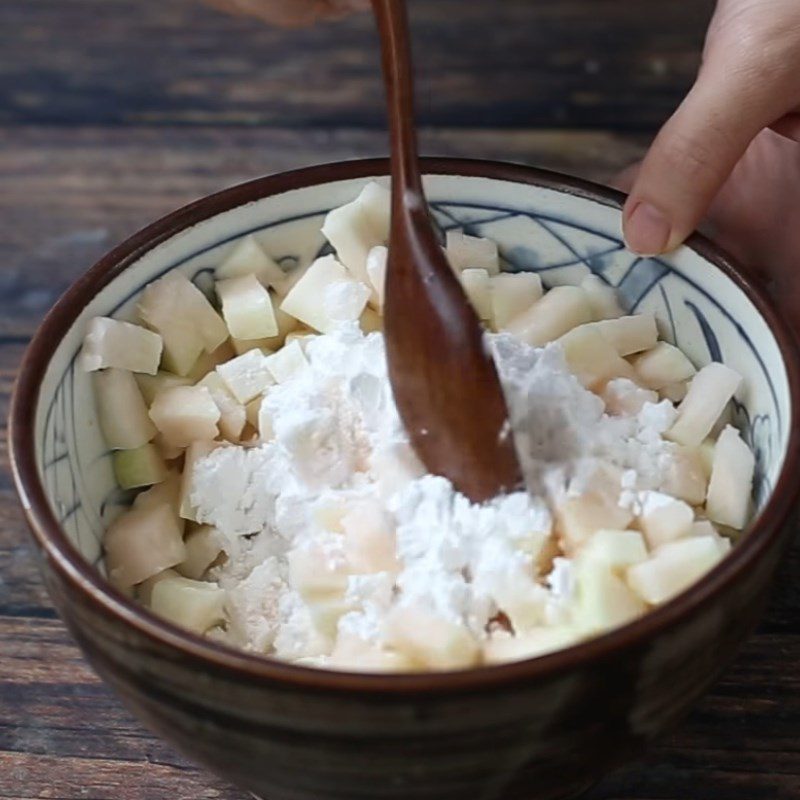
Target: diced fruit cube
151 385
673 568
121 410
475 283
287 362
706 450
112 343
248 257
144 591
210 361
306 300
631 334
286 324
202 550
618 550
662 365
355 654
247 376
675 392
355 228
664 519
472 252
603 599
232 413
731 484
370 544
315 573
624 398
167 451
710 391
194 605
326 613
602 298
185 414
686 477
174 307
196 452
591 357
370 321
558 312
376 271
143 466
168 491
263 422
143 542
247 308
431 640
502 647
513 293
345 301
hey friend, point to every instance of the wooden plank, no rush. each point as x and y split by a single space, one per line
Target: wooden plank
67 196
585 63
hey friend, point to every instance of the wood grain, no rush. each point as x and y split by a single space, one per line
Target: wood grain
67 195
570 63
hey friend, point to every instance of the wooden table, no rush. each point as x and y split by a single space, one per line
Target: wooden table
113 112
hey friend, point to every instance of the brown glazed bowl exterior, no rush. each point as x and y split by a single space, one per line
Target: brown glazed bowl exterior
532 730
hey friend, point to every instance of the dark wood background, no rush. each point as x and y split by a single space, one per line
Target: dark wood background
113 112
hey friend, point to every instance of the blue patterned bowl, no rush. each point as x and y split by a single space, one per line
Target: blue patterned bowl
535 729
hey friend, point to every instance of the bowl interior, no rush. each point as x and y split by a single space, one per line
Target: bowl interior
556 232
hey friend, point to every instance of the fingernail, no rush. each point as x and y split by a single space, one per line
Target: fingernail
647 230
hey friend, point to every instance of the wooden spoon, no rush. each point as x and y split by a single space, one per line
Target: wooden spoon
444 380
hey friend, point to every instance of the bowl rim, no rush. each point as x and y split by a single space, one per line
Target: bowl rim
251 668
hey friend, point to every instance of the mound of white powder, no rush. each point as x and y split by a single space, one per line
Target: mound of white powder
339 449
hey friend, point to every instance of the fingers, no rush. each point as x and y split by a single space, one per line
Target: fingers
691 158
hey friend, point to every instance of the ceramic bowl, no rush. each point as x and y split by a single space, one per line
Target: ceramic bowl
543 728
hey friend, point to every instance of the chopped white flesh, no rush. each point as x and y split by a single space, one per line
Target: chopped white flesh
112 343
286 324
662 365
143 466
287 362
731 484
306 300
151 385
355 228
196 451
377 259
371 321
247 376
618 550
194 605
512 294
430 640
706 451
174 307
186 414
232 413
623 397
168 491
263 421
248 257
558 312
592 358
631 334
709 393
247 308
370 544
202 550
345 301
675 392
354 654
475 283
685 477
167 451
121 410
143 542
664 519
316 575
472 252
579 517
144 591
603 599
502 647
210 361
673 568
602 298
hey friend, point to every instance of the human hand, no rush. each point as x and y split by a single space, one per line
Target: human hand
749 80
291 13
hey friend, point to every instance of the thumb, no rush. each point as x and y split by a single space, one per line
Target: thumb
692 157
